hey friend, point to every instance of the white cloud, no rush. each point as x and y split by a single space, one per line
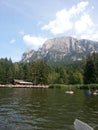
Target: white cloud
95 36
76 21
12 41
80 7
83 24
61 24
91 36
33 41
64 19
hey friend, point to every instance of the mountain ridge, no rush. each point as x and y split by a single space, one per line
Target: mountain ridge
62 49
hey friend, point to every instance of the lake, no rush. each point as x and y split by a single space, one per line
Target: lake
45 109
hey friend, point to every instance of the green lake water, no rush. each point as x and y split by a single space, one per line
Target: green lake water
45 109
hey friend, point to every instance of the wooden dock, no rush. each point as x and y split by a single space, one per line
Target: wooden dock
22 86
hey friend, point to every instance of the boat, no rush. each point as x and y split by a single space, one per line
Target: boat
80 125
69 92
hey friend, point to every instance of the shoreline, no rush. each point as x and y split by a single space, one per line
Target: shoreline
22 86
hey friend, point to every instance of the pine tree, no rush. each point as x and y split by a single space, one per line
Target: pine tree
90 71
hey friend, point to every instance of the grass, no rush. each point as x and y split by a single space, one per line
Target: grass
62 86
78 86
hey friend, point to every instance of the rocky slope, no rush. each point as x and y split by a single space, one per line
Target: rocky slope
63 49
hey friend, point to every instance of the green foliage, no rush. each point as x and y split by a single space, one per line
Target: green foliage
40 72
86 86
57 86
52 77
91 69
76 77
6 71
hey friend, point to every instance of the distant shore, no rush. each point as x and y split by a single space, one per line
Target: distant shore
22 86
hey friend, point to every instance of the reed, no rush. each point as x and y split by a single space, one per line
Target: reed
78 86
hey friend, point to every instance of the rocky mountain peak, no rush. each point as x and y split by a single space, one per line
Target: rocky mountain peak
62 49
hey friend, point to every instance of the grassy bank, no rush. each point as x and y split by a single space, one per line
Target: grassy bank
90 86
78 86
63 86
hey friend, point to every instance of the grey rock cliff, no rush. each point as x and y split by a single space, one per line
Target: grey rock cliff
62 49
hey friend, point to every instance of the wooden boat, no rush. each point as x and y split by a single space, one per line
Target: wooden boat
79 125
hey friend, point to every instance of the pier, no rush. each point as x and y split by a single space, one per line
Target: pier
22 86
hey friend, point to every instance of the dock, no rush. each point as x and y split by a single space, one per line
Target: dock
23 86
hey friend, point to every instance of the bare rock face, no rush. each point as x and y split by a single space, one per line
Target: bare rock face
61 49
27 55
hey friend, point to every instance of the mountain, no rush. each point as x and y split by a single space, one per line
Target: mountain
63 49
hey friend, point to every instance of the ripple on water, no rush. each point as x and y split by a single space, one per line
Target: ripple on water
34 109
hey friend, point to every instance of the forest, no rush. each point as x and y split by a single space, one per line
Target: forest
39 72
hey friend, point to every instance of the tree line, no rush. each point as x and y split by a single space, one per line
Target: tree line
39 72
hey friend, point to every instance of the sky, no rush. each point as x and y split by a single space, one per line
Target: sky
29 23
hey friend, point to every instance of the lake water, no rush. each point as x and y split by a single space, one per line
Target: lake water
45 109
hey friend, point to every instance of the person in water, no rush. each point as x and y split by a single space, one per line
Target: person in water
88 92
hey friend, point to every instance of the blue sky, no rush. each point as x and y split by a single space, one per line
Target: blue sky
29 23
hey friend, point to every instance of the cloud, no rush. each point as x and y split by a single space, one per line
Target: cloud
64 19
75 21
91 36
12 41
61 24
80 7
83 24
33 41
